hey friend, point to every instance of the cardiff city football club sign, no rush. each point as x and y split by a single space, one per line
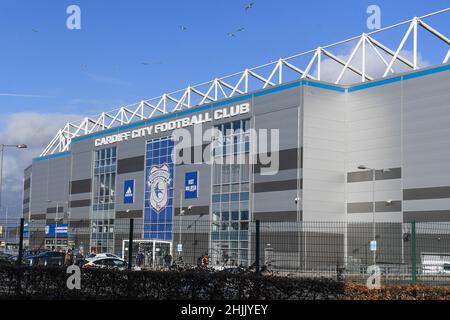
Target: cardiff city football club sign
158 183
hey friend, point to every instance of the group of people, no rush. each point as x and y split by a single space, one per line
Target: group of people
71 258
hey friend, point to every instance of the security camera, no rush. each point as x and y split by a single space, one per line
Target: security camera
297 200
389 202
189 208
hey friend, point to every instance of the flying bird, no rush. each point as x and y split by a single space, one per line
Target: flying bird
34 30
249 6
183 28
145 63
233 34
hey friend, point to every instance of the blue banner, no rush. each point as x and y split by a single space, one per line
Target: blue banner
158 215
61 230
128 191
191 185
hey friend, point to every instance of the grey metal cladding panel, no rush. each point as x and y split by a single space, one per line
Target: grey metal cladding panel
38 187
83 146
58 186
283 216
362 176
277 101
427 86
380 206
80 213
80 186
276 201
132 147
129 165
80 203
377 95
139 187
427 216
82 165
276 186
279 176
286 121
287 159
426 193
204 184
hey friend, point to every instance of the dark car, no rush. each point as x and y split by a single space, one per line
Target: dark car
5 258
47 259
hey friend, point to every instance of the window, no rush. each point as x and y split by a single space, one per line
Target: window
229 230
103 215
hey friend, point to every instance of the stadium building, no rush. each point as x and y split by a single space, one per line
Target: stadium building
374 138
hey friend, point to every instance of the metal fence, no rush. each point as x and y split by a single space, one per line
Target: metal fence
402 252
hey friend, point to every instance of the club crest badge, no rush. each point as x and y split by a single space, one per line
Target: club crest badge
158 183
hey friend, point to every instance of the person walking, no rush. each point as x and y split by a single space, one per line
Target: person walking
168 260
68 258
205 260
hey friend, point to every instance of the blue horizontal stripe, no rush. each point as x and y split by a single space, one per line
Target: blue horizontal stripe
374 84
52 156
426 72
409 76
324 86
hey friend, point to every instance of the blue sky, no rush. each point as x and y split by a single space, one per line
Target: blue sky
131 50
100 66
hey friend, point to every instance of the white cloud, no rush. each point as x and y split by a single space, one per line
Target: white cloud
22 95
33 129
375 67
107 79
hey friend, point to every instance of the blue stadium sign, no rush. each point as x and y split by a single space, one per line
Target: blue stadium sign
128 191
191 185
61 230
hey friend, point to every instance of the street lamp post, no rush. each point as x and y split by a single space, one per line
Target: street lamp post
2 151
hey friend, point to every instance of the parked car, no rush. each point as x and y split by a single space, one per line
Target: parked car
50 258
105 263
5 258
94 256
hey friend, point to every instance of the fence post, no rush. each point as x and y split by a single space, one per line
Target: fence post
413 253
257 246
130 245
19 258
